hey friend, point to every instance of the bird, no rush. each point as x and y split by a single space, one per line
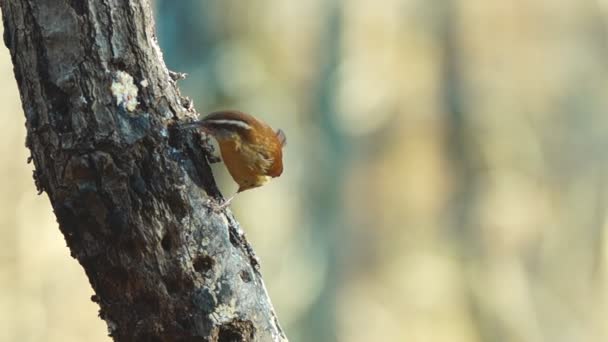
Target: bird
251 150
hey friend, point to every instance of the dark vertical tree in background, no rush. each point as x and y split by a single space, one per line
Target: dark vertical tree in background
319 324
462 154
191 33
130 192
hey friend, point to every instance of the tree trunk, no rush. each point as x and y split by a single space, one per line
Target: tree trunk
129 191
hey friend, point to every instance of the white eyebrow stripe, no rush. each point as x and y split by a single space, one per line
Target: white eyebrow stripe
228 122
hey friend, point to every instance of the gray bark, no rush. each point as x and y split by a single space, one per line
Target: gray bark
129 191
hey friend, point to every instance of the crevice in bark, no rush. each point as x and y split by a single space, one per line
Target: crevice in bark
236 331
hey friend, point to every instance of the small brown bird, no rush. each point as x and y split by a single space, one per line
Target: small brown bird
252 151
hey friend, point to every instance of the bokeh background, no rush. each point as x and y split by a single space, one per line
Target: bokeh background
445 181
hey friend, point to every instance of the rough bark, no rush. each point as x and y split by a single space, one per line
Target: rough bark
129 191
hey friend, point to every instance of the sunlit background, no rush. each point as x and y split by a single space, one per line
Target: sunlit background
446 171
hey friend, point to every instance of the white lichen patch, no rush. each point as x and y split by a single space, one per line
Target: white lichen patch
124 91
111 326
164 132
144 83
224 313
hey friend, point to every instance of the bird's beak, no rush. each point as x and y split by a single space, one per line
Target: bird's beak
194 124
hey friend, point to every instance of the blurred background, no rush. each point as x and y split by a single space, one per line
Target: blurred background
445 180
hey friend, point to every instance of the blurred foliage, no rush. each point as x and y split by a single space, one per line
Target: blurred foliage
445 174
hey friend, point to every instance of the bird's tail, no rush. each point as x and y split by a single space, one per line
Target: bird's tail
282 137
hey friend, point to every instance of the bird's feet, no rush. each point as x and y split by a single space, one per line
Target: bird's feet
217 207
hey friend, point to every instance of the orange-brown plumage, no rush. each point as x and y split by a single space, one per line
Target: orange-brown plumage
251 150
